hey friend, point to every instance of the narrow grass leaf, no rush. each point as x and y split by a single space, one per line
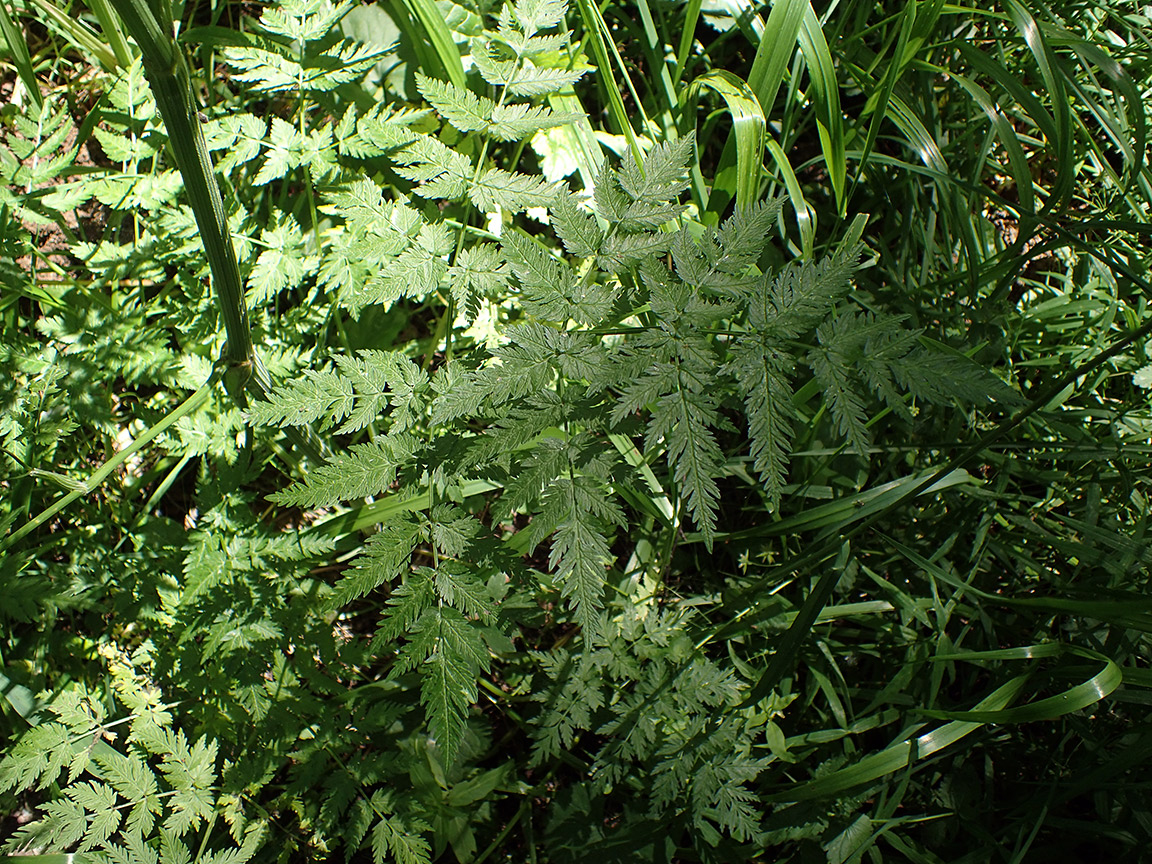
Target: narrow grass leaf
826 99
897 756
775 49
601 37
687 35
1053 78
877 102
805 215
112 32
748 126
79 35
432 30
1073 699
20 55
1017 160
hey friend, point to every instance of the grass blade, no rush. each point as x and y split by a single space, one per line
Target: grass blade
1075 698
1053 77
691 16
601 37
20 55
444 61
101 474
897 756
112 32
805 215
79 34
877 103
776 48
826 99
748 126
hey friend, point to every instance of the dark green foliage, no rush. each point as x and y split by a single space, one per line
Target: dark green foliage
641 528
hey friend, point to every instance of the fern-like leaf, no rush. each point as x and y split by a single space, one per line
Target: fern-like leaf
368 469
522 79
576 227
387 555
801 295
663 175
468 112
762 373
451 653
580 551
357 391
511 192
682 419
478 271
838 384
401 840
462 108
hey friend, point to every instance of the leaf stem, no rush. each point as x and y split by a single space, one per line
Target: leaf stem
101 474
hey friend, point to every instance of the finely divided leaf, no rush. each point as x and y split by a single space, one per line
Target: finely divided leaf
840 392
359 389
462 108
387 555
479 271
368 469
664 173
511 192
681 420
403 841
801 295
456 654
517 121
577 227
580 550
762 374
535 15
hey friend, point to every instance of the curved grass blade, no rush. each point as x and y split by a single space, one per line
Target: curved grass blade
1133 119
899 755
1024 97
1075 698
953 206
1017 160
805 215
748 126
1133 613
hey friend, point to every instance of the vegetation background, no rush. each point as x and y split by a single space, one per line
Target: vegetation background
671 431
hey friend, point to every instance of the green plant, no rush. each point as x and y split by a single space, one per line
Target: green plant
663 490
145 803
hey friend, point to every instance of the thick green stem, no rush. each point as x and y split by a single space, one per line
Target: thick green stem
171 82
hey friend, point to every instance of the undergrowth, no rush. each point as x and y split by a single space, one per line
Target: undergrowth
590 483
